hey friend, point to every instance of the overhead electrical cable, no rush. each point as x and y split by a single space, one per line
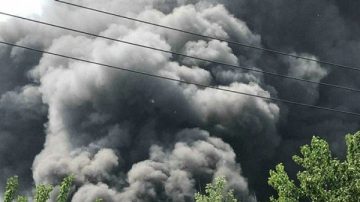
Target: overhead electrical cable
253 69
214 38
183 81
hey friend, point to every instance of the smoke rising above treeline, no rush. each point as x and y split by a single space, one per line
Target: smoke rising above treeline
127 137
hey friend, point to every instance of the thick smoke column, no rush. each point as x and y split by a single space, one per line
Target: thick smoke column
126 137
91 108
139 136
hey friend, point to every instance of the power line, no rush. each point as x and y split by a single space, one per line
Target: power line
215 38
187 56
182 81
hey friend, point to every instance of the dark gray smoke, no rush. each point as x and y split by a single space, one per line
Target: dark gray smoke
22 116
328 30
132 138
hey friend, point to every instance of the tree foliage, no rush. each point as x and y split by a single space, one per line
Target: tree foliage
22 199
43 192
65 189
12 185
323 178
215 192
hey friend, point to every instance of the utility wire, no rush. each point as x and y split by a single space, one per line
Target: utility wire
215 38
182 81
187 56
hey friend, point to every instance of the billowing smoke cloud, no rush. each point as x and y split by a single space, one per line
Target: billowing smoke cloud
330 31
170 173
127 137
91 108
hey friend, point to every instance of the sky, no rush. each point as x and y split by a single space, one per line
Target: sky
127 137
21 7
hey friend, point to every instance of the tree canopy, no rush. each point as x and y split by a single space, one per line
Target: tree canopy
323 178
215 192
42 192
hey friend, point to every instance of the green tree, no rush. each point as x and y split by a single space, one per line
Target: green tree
22 199
43 192
12 185
99 200
65 189
215 192
323 178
